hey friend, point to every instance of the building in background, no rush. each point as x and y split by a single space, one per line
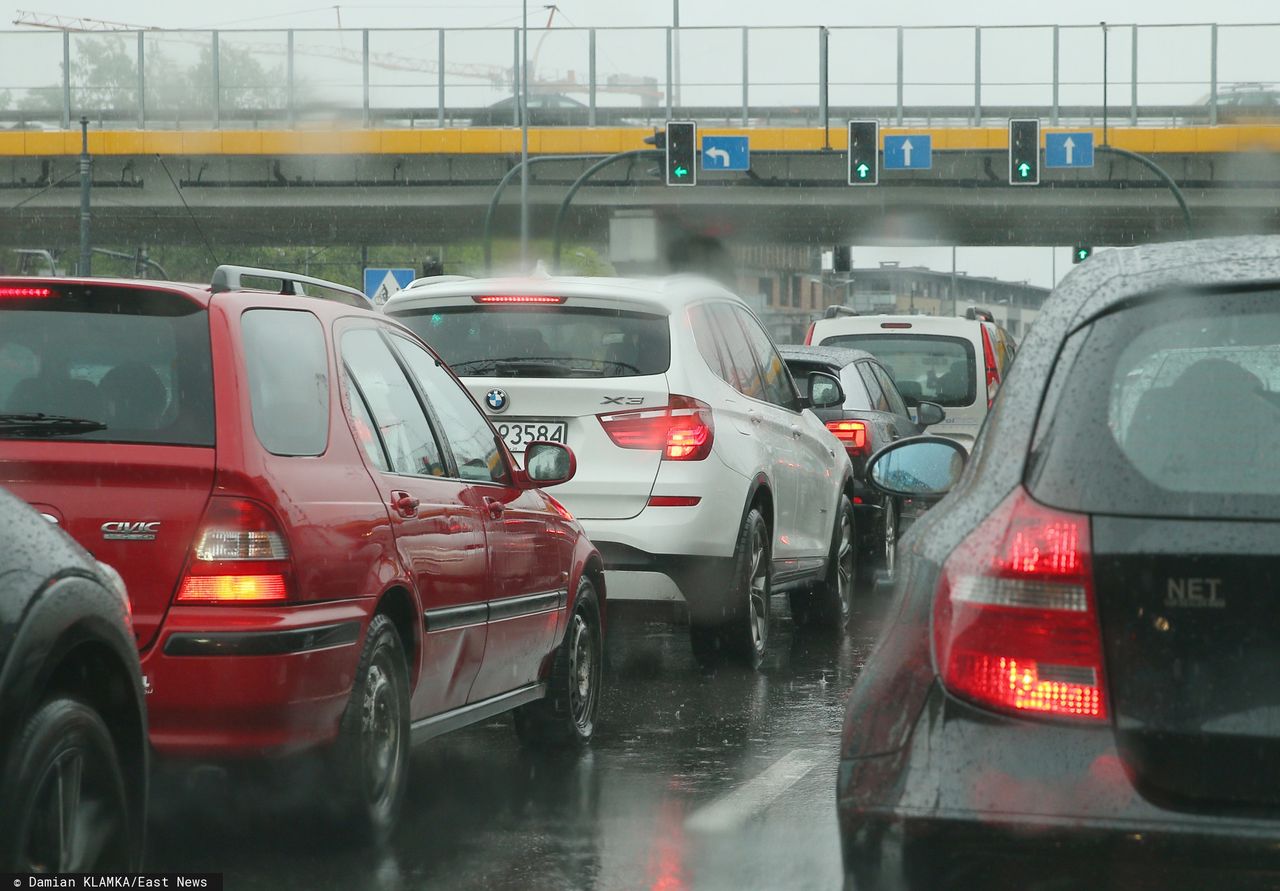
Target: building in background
785 285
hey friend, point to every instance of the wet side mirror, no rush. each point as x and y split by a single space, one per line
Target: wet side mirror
930 413
549 463
824 390
919 467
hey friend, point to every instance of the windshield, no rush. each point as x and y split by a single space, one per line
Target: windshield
925 367
568 342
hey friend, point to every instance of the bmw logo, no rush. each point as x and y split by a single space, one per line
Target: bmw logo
496 400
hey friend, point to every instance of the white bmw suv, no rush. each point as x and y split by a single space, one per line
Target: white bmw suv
701 474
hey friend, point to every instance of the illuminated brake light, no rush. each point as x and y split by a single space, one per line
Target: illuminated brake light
684 430
674 500
518 298
895 324
240 555
852 433
1015 621
14 291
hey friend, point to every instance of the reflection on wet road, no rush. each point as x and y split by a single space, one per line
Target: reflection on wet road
695 780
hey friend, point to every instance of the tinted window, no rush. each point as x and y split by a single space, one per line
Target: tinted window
896 405
288 367
402 425
777 380
523 341
878 400
738 354
465 428
705 336
365 429
925 367
136 362
1168 409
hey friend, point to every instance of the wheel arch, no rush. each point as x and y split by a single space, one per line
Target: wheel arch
399 605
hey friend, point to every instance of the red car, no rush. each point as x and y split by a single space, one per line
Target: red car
324 541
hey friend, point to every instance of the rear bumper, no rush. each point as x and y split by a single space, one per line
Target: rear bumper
248 682
971 792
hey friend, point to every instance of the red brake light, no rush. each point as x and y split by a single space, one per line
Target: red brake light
895 324
993 375
808 335
684 430
518 298
1015 621
852 433
22 292
240 555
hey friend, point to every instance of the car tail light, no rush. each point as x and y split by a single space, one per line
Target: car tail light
684 430
895 324
1015 620
518 298
993 375
853 434
240 556
23 292
808 335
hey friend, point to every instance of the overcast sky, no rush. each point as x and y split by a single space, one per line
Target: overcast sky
1036 265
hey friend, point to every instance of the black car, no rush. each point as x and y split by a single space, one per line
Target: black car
73 753
873 415
1081 669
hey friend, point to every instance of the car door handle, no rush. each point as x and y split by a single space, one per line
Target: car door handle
795 432
404 504
754 416
494 508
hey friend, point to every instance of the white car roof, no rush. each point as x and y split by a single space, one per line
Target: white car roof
657 294
919 325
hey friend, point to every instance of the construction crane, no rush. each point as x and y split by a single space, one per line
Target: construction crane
500 77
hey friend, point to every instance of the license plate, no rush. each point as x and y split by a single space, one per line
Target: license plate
518 434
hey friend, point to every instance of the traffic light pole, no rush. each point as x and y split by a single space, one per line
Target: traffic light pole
1158 171
578 183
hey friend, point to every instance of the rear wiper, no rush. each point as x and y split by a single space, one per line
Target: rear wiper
37 424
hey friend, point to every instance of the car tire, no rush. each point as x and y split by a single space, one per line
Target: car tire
566 716
744 637
66 745
830 602
371 757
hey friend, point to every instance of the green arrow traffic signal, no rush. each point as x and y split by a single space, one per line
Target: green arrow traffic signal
680 171
863 170
1082 252
1024 169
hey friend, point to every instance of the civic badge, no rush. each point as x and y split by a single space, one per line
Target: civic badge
496 400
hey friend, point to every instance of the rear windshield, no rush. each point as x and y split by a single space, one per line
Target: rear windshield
925 367
106 364
566 342
1167 409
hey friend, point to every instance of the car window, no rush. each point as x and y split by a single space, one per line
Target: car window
777 379
472 440
925 367
1170 408
709 346
891 395
738 353
402 424
287 361
878 400
366 431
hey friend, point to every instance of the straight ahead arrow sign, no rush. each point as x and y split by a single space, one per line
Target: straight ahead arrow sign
906 152
1070 146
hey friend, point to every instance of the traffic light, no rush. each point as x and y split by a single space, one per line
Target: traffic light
682 153
1024 152
864 153
1081 253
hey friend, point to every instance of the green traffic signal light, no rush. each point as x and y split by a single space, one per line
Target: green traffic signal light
1024 152
863 155
1081 253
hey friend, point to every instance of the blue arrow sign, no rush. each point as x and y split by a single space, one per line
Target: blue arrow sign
379 284
1068 150
913 152
726 153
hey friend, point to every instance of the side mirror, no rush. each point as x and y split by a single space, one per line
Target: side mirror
930 413
549 463
923 467
825 390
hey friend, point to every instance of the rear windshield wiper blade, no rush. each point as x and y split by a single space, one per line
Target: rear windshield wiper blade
37 424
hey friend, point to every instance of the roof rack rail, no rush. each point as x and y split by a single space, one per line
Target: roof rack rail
228 278
974 312
436 280
833 311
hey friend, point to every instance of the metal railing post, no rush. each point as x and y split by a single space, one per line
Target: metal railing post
977 76
364 74
142 82
900 70
591 77
670 76
66 80
746 78
1053 115
290 96
440 81
1213 73
216 74
823 115
517 80
1133 76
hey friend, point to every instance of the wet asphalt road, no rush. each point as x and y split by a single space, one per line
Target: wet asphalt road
695 780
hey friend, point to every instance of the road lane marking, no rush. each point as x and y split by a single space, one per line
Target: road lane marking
749 799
